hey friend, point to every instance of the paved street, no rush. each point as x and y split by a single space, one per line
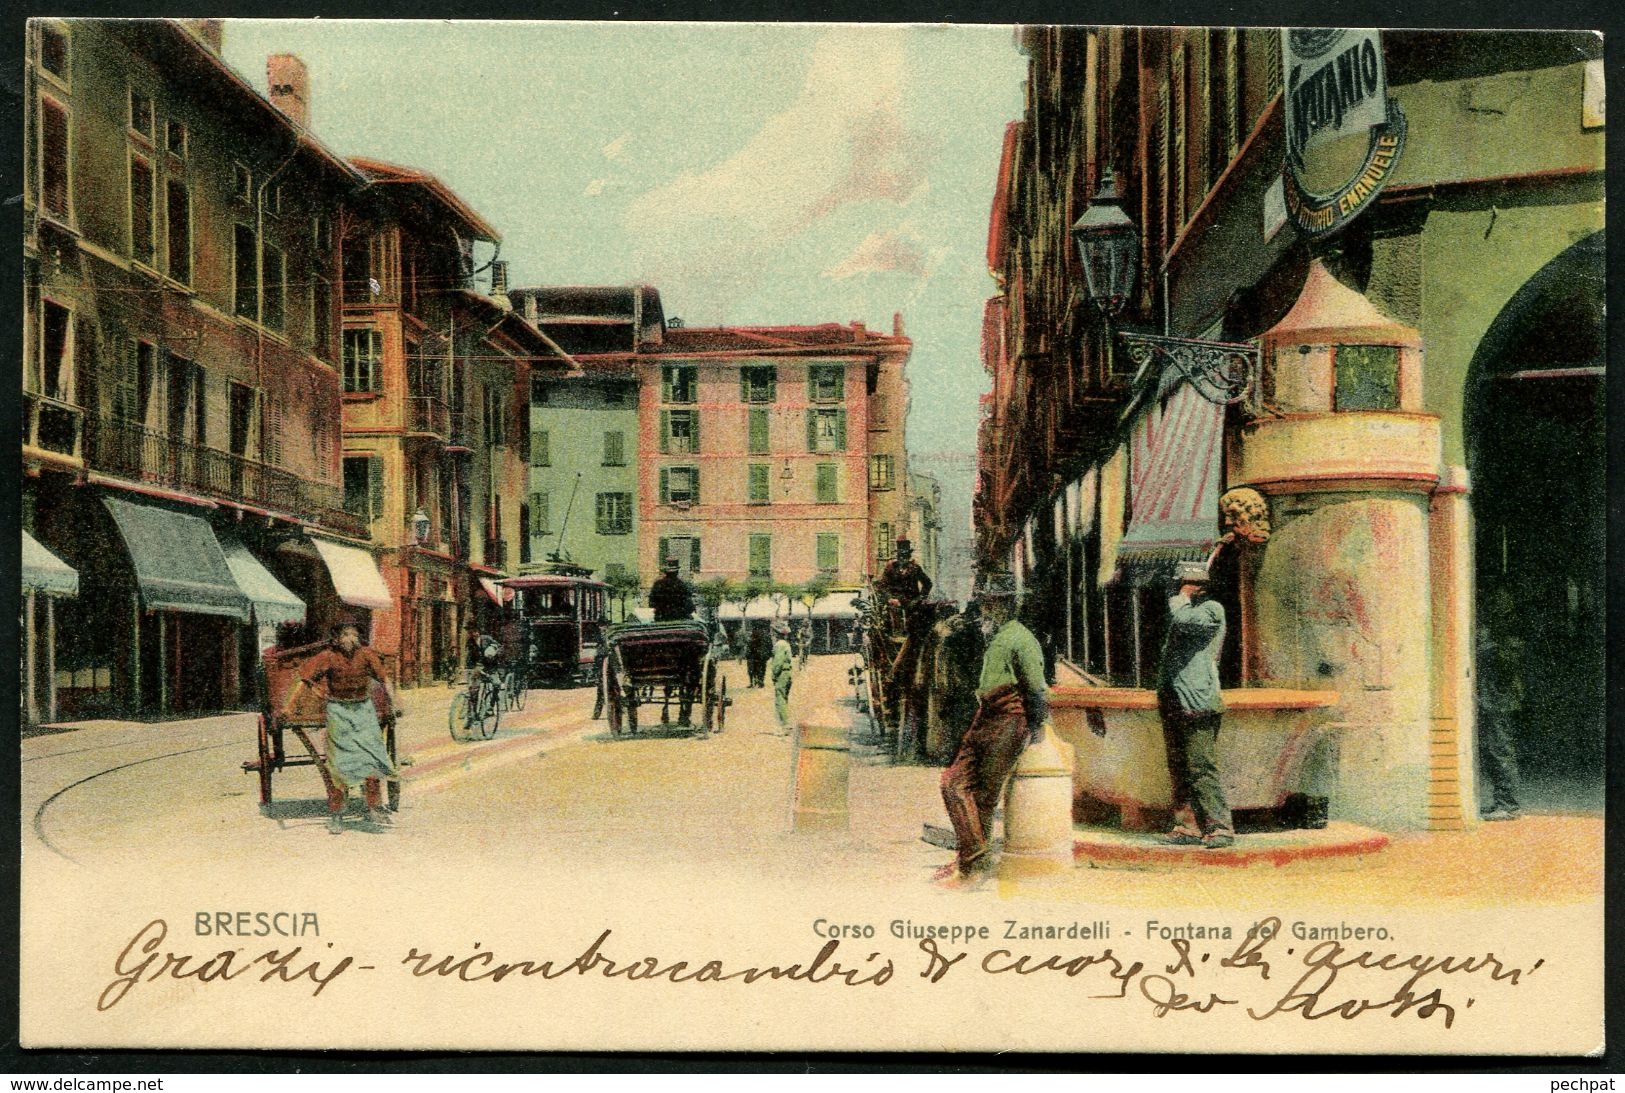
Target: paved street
557 788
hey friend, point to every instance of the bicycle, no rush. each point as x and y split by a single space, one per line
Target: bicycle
514 691
476 711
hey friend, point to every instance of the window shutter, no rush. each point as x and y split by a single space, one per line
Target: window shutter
694 554
759 444
694 431
812 430
840 430
665 386
665 430
838 375
665 496
694 482
375 355
772 384
375 484
744 384
665 552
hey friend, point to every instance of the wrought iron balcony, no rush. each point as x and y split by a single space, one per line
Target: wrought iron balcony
428 416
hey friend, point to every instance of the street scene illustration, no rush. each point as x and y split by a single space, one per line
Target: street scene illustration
1146 482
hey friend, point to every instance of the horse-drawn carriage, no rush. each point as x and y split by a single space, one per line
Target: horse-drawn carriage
281 668
657 663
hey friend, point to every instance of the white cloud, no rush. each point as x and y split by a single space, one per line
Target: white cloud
594 188
841 142
891 250
614 148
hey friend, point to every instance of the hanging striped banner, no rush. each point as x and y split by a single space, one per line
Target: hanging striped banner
1173 500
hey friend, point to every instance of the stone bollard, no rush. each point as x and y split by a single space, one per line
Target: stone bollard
1038 810
822 763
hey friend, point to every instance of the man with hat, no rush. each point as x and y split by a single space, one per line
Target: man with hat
356 751
780 668
905 586
670 595
1189 701
1012 710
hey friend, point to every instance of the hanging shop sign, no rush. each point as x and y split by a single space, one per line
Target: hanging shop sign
1337 86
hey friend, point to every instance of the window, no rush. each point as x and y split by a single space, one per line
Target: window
176 139
242 182
246 301
829 483
615 448
679 485
57 352
538 393
1180 182
364 486
679 431
1367 377
683 548
758 383
538 514
276 273
142 245
826 383
55 176
178 229
759 485
829 552
826 430
496 433
615 395
760 434
614 514
53 50
321 317
541 452
679 383
882 472
885 545
362 367
141 114
761 555
188 408
146 381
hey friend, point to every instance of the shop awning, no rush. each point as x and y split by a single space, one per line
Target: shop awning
355 575
45 572
179 565
273 603
499 595
1174 493
836 605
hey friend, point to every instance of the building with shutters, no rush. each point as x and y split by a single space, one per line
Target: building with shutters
180 416
1426 419
436 377
772 452
582 505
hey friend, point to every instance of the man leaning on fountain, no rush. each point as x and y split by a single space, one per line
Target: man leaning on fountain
1191 706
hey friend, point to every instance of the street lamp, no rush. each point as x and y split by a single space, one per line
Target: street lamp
1109 247
420 526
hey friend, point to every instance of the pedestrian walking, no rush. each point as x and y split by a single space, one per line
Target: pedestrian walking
1191 707
758 651
1012 711
1500 697
803 643
356 751
781 668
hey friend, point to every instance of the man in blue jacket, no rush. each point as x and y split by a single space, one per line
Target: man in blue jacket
1191 707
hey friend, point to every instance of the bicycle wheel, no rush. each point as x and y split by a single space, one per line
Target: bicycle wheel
491 708
521 690
457 716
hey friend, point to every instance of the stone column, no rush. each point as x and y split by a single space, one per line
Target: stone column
1452 760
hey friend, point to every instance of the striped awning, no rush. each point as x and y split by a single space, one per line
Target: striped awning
45 572
1176 464
273 603
178 563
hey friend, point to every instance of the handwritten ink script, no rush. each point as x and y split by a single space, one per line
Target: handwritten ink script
1267 975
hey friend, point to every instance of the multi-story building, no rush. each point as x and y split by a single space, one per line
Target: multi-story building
772 452
436 391
584 428
925 522
1418 343
181 434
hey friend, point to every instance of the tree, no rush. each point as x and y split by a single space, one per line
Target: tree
622 584
815 590
713 593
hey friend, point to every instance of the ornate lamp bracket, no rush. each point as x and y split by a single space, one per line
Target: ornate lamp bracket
1222 372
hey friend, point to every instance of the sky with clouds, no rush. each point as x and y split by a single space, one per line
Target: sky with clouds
753 173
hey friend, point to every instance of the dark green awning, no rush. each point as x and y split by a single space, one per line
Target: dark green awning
45 572
179 565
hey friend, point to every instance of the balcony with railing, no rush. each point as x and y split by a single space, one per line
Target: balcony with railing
427 416
130 450
53 426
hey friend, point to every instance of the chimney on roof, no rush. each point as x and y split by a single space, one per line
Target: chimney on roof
499 278
859 331
897 324
211 32
289 83
530 307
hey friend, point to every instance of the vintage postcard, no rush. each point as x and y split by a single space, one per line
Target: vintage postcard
663 537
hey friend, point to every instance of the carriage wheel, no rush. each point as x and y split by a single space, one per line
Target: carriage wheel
611 698
708 717
632 710
265 762
722 704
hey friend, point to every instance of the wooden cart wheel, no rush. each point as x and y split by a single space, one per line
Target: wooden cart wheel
612 697
708 716
631 697
265 762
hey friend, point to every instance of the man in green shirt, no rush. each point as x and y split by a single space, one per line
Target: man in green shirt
1012 710
779 668
1191 706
